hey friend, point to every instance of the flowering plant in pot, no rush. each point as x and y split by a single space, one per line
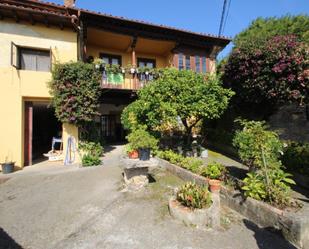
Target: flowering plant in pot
139 139
132 153
215 173
7 166
193 196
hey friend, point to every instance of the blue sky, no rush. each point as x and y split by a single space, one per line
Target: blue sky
197 15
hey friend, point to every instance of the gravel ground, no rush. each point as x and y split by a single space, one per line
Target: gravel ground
70 207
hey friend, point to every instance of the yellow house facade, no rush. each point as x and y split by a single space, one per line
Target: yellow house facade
35 35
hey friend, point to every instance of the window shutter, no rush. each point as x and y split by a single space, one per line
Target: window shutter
15 56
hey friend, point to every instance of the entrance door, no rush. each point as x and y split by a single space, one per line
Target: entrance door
111 128
41 126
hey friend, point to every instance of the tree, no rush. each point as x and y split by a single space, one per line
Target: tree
177 98
262 29
276 71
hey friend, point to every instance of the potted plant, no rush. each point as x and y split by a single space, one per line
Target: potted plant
142 141
215 172
132 153
7 166
193 205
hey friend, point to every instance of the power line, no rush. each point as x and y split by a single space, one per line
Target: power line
224 15
227 14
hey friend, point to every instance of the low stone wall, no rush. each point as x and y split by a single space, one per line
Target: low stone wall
202 218
294 225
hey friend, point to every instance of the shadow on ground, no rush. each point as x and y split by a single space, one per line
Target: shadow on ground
262 242
7 242
110 147
303 193
236 172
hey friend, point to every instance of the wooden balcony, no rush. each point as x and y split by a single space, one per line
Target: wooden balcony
124 81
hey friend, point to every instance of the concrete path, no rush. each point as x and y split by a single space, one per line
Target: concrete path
84 208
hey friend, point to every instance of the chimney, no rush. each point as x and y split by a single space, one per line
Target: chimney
69 3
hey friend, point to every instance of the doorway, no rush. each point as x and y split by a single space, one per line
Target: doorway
41 125
111 128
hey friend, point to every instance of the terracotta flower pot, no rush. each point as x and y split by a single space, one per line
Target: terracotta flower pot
133 154
214 185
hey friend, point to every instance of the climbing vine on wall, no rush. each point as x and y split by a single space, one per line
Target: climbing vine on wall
75 87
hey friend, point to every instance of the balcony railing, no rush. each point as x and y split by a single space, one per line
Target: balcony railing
125 81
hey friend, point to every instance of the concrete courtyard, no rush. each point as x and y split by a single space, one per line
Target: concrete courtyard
58 206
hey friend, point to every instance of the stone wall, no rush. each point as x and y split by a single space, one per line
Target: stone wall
291 122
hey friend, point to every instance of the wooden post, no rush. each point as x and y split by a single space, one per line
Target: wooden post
82 40
28 129
133 54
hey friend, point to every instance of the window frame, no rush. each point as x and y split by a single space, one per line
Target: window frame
147 60
18 50
111 57
204 64
21 49
181 58
197 60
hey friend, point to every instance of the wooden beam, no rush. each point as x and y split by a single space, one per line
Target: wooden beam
132 44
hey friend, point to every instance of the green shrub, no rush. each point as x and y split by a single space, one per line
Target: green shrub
171 156
89 160
75 87
254 186
253 140
214 170
141 139
189 163
91 153
296 157
194 196
276 191
192 164
261 149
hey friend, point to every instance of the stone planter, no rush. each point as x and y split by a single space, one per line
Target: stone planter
294 225
201 218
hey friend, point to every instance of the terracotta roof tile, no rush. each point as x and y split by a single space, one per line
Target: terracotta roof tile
61 10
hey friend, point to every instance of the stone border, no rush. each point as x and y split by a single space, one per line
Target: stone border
295 227
202 218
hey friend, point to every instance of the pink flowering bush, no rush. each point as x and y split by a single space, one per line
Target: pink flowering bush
276 70
75 88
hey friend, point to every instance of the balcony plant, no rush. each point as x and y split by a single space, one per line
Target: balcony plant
142 141
7 166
